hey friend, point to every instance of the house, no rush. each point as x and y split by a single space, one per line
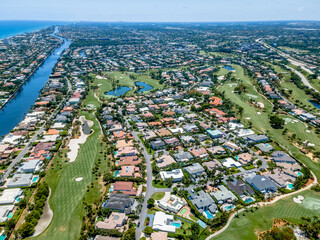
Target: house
191 128
229 163
9 196
176 175
187 139
203 202
20 180
199 152
162 222
183 156
172 204
215 134
202 137
5 211
218 150
164 161
159 235
240 188
254 138
163 132
264 147
172 141
280 178
280 156
30 166
261 183
114 221
157 144
244 158
119 202
231 146
222 195
195 170
125 188
211 165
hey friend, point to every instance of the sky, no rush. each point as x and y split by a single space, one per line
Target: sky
160 10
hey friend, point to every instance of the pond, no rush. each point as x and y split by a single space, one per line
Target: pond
228 68
145 87
317 105
119 91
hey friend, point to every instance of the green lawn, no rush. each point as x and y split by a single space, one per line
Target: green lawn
67 194
158 195
260 122
247 227
105 85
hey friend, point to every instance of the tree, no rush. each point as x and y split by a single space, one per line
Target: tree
195 229
130 234
276 122
148 230
151 202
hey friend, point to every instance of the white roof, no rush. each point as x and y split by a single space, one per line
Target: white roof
229 163
160 222
9 195
4 212
175 174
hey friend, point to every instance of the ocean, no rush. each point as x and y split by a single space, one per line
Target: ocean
9 28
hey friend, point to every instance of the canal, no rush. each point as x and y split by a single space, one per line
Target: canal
14 111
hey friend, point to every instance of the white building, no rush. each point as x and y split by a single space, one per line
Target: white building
9 196
5 211
175 174
229 163
171 204
162 222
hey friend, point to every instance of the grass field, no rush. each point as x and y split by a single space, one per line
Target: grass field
105 85
297 93
158 195
67 194
247 227
260 122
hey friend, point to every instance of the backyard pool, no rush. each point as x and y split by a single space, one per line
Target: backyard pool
3 237
10 215
228 207
209 215
111 189
35 179
248 200
176 224
299 174
116 173
290 186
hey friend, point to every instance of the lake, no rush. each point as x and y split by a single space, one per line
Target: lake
317 105
119 91
228 68
145 87
14 111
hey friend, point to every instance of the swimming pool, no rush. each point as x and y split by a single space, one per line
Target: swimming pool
111 189
116 173
17 199
10 215
299 174
290 186
35 179
248 200
229 207
3 237
176 224
209 215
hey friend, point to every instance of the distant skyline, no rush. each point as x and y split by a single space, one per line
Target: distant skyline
160 10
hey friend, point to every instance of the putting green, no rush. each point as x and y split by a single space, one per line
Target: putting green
311 203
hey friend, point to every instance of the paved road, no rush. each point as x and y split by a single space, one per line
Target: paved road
262 204
303 78
150 189
35 137
294 62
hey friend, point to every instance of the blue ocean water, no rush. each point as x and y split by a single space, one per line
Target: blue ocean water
9 28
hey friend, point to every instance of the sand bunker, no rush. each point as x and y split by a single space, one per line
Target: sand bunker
74 144
79 179
298 199
311 203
